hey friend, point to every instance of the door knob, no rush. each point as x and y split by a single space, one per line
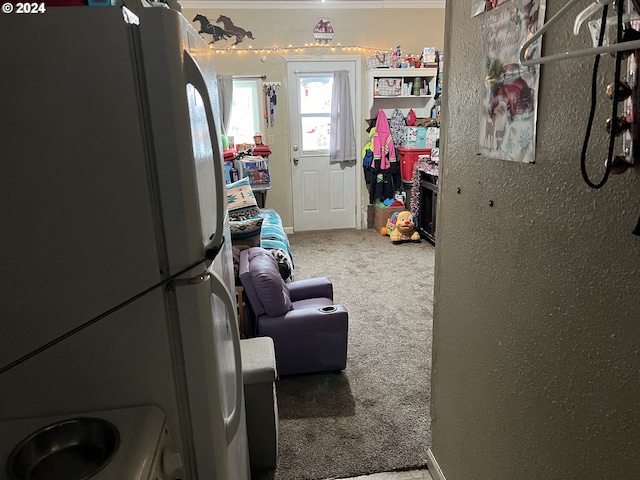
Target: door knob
296 160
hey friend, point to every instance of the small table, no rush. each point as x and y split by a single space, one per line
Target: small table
260 192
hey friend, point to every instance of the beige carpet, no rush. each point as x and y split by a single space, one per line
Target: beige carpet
373 417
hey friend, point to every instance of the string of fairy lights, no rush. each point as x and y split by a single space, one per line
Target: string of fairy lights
336 48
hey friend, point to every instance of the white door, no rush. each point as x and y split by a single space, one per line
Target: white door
324 195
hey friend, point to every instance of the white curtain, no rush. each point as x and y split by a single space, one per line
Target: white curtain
225 97
342 146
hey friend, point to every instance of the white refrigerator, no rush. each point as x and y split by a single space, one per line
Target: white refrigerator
118 278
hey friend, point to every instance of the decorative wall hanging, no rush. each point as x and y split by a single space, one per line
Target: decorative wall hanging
227 31
323 31
238 32
207 27
509 101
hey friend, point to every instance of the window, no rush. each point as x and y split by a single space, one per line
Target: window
246 110
315 111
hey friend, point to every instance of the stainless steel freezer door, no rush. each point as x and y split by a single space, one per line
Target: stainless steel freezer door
212 367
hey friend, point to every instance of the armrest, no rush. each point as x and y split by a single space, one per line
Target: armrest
309 339
311 288
304 322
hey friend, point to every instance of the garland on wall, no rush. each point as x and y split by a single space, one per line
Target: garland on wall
299 49
323 33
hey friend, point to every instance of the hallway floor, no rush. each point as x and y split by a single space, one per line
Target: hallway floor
408 475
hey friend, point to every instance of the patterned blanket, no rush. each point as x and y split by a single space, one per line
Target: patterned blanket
274 239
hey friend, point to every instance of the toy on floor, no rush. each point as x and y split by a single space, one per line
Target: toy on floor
402 227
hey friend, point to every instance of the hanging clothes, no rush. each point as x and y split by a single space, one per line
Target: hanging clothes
397 124
384 157
381 186
367 157
384 150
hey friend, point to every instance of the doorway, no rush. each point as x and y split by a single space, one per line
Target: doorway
325 196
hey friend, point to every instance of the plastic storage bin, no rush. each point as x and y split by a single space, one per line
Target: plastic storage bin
408 157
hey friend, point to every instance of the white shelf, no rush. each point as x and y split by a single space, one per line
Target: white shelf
376 97
421 104
403 72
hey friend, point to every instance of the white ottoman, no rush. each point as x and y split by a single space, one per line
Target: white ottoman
259 372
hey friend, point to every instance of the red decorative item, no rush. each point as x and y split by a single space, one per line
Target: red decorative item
411 118
229 154
262 150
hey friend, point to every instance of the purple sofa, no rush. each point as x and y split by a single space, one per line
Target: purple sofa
309 332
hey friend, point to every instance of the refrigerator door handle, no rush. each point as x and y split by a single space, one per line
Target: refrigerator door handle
218 288
194 76
212 249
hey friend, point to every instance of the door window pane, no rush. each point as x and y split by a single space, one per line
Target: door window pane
315 132
315 110
315 94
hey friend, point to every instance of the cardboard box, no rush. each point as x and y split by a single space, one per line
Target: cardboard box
432 137
415 137
381 215
429 54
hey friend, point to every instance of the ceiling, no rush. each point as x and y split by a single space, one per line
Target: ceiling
308 4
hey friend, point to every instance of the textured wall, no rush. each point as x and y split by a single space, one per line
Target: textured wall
537 309
411 28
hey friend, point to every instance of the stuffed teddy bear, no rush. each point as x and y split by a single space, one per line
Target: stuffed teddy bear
402 226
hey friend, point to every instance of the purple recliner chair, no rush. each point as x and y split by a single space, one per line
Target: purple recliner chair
309 332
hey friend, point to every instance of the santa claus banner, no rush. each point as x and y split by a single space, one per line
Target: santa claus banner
510 93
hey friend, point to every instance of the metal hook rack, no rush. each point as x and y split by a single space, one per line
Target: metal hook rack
630 45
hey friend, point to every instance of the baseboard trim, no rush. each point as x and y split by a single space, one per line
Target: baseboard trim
288 230
433 467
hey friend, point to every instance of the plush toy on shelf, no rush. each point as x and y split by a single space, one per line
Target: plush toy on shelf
402 227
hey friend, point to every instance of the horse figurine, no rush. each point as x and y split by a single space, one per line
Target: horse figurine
230 28
207 27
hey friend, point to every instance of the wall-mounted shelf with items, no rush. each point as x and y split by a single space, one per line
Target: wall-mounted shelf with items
390 88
